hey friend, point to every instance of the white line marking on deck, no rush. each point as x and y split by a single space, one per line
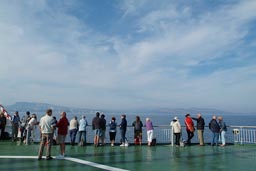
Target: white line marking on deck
18 157
101 166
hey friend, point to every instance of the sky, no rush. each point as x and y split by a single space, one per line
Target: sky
130 54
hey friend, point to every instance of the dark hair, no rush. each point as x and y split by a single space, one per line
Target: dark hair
137 118
28 113
49 111
97 113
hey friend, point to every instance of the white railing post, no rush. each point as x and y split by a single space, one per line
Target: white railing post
172 135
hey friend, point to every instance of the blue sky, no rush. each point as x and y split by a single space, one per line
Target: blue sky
129 54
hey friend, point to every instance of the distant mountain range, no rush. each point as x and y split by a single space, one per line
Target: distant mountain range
22 107
33 107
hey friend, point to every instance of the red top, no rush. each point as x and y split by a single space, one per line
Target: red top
63 126
189 124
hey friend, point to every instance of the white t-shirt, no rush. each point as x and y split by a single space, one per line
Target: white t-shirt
32 122
73 124
46 124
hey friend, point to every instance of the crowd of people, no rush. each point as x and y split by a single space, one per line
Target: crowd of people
53 130
217 126
22 128
48 125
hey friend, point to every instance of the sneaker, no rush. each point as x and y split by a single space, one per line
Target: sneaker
49 158
60 157
122 145
126 144
112 145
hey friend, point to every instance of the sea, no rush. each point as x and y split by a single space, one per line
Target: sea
161 119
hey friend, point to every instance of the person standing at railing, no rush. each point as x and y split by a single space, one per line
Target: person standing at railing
24 122
73 130
150 131
96 129
54 124
2 125
62 126
200 128
103 123
189 128
137 124
82 131
215 128
123 127
30 129
223 130
112 131
176 130
15 125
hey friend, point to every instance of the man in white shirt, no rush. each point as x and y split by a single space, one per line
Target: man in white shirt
46 130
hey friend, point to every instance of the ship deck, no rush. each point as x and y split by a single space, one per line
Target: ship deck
135 158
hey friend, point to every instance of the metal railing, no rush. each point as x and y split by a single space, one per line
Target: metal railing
244 134
164 135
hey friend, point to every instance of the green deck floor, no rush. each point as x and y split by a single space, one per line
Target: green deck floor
136 158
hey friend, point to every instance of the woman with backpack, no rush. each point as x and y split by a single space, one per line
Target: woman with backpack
137 124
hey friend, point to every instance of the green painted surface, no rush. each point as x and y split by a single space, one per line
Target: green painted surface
137 158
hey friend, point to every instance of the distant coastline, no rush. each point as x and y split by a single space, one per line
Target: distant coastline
41 107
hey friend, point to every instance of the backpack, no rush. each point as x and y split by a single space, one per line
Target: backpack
137 125
112 125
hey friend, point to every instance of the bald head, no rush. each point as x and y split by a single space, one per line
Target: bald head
63 114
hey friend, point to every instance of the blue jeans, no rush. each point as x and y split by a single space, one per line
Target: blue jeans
215 138
223 141
73 136
190 136
82 136
123 135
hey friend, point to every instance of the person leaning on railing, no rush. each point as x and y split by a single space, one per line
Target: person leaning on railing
223 130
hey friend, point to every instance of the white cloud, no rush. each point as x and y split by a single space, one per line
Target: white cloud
47 49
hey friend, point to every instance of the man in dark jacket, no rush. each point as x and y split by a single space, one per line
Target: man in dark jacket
123 127
102 128
215 128
96 128
200 128
2 126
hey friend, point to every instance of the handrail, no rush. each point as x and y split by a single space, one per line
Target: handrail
164 134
